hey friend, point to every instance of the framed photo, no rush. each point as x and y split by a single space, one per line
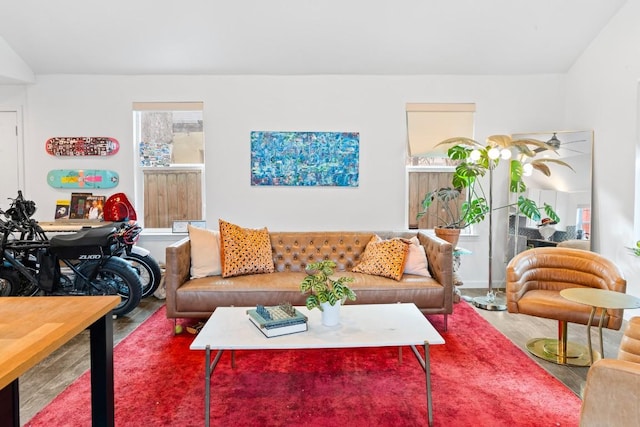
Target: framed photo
78 208
62 209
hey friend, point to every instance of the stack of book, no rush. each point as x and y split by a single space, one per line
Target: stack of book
277 320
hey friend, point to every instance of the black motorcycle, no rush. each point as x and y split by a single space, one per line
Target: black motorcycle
139 258
81 263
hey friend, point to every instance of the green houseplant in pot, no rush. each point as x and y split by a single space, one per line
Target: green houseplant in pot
474 161
454 214
325 293
463 203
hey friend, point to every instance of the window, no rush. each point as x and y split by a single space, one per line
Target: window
427 165
583 223
169 162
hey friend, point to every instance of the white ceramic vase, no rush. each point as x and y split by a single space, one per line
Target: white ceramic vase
546 231
330 314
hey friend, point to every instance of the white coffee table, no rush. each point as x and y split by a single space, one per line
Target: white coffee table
375 325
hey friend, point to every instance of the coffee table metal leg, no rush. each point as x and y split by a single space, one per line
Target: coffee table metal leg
209 366
426 366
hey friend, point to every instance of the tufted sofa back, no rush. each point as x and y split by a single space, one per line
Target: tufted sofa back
293 251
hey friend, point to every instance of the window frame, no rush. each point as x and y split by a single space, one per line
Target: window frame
139 170
433 161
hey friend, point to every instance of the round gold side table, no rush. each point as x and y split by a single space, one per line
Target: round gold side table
602 299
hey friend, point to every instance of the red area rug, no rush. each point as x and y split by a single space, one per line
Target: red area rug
479 379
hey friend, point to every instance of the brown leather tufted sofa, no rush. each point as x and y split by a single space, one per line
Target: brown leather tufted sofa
292 251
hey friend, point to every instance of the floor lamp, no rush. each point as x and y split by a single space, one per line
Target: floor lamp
491 302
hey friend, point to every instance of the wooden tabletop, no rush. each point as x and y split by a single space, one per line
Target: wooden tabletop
70 225
31 328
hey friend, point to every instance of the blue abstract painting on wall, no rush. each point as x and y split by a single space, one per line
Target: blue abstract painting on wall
305 158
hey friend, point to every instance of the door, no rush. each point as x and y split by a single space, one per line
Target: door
9 153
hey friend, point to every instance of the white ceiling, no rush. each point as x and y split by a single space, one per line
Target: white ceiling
302 36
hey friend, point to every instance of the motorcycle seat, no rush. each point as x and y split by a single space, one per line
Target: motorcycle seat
85 237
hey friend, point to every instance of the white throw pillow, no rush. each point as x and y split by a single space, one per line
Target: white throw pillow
205 252
416 259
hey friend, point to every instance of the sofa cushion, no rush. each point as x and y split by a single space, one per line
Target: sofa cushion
416 262
205 252
244 250
205 294
384 258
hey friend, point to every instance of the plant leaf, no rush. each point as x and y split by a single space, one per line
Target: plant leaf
556 161
551 213
529 208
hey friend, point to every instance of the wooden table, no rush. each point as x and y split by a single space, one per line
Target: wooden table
602 299
31 328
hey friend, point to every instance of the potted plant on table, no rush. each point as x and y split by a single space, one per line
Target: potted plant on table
326 293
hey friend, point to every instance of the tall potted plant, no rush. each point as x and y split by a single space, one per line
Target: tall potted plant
476 159
454 214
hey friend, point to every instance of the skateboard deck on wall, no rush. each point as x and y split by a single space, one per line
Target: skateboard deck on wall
82 146
82 178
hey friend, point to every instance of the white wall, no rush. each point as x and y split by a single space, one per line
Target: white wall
66 105
602 93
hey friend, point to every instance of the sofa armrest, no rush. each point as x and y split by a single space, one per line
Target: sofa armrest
611 394
178 265
440 259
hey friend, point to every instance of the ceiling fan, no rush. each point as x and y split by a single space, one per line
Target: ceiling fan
563 148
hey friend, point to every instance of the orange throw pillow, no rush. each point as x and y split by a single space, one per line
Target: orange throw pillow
384 258
244 250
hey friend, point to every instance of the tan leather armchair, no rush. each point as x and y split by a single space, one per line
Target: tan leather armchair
535 278
612 391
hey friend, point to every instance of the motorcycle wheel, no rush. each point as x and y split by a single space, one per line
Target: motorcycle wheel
9 283
148 270
115 277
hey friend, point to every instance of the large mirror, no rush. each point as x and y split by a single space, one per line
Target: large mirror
567 190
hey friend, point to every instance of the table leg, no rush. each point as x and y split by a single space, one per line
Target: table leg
209 366
10 404
600 324
591 316
426 366
101 342
207 386
427 371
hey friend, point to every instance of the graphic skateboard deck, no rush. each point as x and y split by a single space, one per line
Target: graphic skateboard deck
82 178
82 146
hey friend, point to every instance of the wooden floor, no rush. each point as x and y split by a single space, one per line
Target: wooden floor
520 328
45 381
